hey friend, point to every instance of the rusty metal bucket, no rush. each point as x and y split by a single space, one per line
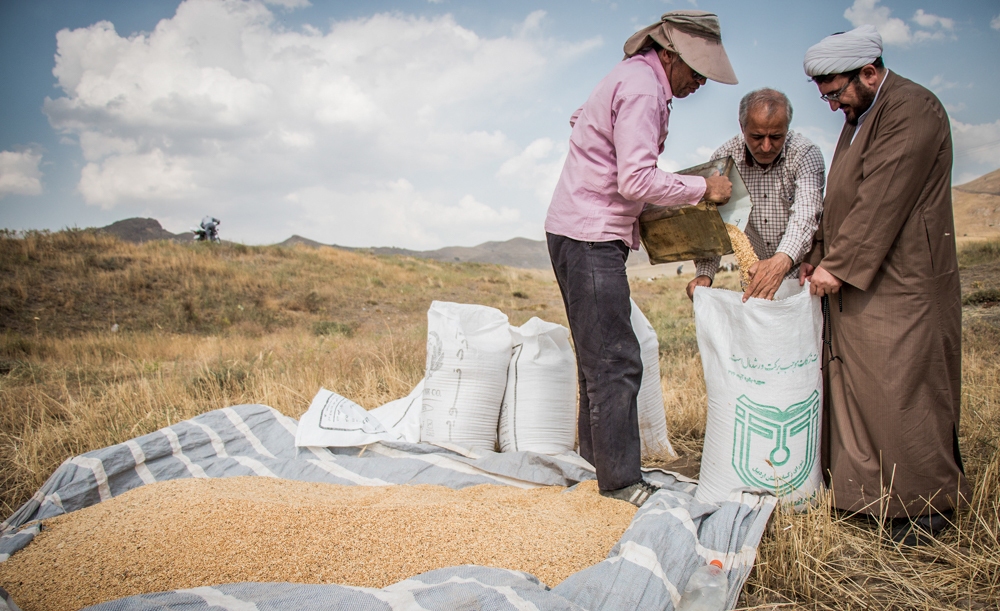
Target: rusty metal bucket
692 232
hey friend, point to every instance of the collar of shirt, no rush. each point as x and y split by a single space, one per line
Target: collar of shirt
861 119
653 60
751 162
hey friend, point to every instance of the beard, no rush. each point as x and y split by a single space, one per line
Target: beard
865 97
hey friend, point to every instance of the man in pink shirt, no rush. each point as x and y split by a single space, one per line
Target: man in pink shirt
609 175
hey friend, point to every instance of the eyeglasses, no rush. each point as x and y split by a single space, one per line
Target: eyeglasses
697 76
835 96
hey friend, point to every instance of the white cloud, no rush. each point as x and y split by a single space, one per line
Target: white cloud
976 144
939 84
147 176
894 30
19 173
289 4
531 24
537 168
704 152
995 23
668 165
928 20
397 214
221 107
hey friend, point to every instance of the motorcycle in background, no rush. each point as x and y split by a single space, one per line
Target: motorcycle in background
208 231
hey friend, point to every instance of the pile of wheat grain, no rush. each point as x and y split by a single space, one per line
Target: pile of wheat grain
197 532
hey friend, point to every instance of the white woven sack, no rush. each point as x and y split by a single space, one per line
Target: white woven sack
652 414
765 390
401 417
336 421
468 350
538 413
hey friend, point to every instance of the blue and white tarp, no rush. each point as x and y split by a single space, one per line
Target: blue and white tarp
670 536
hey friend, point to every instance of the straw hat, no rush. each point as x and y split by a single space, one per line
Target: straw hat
694 35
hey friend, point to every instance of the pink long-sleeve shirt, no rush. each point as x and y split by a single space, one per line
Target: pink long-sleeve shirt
610 171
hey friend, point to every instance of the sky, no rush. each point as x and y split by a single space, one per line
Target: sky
410 123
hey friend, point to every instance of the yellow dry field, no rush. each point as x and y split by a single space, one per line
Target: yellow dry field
195 532
202 327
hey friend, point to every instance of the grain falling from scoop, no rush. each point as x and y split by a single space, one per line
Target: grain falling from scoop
745 255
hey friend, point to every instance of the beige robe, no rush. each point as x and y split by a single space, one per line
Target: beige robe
892 395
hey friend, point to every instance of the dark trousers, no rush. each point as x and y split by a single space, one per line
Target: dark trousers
595 292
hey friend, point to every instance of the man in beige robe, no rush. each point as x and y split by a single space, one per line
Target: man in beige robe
885 257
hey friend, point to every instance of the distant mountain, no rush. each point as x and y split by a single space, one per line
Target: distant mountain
516 252
977 207
143 230
297 240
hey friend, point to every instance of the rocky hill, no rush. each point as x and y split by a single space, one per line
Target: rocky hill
977 207
143 230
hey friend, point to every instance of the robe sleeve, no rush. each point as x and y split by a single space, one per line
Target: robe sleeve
815 254
901 153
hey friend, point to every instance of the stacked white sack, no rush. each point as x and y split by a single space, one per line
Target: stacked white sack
538 413
468 350
652 414
765 388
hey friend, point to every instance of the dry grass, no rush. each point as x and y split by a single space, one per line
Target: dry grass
201 327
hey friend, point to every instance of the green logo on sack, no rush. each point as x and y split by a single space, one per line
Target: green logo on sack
761 454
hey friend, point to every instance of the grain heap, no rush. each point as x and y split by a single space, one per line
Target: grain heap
745 255
197 532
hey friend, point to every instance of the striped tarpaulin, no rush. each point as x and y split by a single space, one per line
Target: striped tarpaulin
668 539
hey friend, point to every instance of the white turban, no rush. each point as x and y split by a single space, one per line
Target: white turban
844 52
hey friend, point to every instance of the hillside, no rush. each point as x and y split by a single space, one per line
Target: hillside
987 183
86 281
977 207
516 252
523 253
201 327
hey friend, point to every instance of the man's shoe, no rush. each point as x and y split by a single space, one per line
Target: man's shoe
636 494
921 529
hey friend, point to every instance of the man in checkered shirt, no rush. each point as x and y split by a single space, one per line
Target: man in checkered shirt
785 174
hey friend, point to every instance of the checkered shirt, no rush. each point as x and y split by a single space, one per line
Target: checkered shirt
787 200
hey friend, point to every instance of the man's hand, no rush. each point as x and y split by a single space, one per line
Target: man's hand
823 282
805 272
718 189
698 281
766 276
